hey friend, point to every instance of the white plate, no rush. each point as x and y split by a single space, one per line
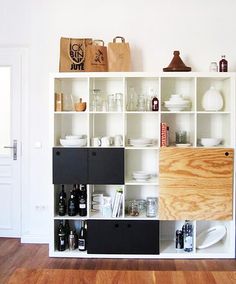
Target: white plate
140 145
178 104
210 236
183 145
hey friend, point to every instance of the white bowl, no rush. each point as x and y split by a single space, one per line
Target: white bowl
73 142
210 142
74 137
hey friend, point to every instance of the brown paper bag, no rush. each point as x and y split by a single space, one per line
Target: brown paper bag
73 54
96 57
118 54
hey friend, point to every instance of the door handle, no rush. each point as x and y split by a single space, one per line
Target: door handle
14 147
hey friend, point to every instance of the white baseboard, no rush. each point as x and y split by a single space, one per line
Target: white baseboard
35 239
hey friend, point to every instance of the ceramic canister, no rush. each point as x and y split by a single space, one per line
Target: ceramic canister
212 100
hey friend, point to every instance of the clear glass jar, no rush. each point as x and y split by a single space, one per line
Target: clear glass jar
151 207
133 208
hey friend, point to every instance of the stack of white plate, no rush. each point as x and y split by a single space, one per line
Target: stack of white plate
141 176
74 141
141 142
177 103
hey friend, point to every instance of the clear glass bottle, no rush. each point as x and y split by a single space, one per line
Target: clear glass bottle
132 100
223 64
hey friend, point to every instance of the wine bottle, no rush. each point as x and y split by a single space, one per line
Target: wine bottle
62 203
72 204
82 200
61 237
82 237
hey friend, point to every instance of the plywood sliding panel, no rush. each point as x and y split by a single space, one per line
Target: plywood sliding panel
196 183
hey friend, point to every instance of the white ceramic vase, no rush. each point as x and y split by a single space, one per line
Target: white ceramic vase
212 100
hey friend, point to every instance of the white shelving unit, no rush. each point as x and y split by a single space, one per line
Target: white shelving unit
144 124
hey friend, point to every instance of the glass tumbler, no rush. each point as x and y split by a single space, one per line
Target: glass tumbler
151 204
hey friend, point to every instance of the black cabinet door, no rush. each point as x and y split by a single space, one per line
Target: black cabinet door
70 165
106 165
123 237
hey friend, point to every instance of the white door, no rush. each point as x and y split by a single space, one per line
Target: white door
10 143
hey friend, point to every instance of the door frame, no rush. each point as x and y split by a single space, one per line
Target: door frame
22 54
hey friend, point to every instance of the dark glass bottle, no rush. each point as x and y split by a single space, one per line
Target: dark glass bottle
223 64
179 240
82 243
62 193
155 104
72 204
61 236
76 194
82 200
62 203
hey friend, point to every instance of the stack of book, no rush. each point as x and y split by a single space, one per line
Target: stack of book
117 203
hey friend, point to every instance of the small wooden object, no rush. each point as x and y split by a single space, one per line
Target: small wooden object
80 106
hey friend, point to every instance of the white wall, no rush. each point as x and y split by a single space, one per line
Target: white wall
201 30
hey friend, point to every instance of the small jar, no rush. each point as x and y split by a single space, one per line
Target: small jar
151 207
213 67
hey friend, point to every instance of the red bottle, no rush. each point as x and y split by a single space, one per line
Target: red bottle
155 104
223 64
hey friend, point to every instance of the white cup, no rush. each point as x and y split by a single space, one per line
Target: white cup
118 140
96 141
106 141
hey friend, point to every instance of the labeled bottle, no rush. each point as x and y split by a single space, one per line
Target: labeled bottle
61 236
72 204
155 104
62 202
223 64
82 242
188 236
82 200
72 240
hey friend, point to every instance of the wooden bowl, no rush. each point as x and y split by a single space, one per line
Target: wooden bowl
80 106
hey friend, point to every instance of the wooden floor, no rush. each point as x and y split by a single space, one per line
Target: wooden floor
15 255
